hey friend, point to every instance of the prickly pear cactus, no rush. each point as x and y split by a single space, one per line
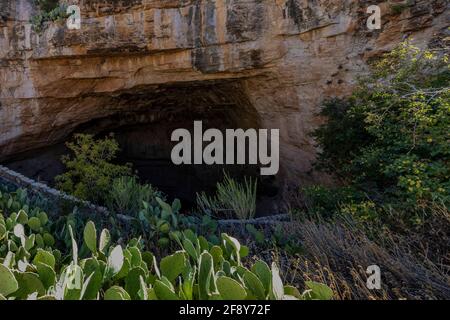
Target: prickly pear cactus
94 267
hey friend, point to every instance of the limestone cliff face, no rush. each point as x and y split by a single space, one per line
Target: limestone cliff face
277 58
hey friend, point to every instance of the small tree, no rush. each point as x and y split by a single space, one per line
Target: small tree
90 171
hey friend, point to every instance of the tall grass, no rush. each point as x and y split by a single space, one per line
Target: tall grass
127 195
231 197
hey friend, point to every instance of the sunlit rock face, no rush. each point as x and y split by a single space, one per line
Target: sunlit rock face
273 60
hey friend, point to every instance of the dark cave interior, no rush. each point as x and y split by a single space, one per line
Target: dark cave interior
143 124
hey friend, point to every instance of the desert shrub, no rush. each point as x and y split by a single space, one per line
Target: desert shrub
90 171
390 140
127 195
33 269
231 197
322 202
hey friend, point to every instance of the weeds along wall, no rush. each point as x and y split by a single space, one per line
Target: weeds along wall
57 201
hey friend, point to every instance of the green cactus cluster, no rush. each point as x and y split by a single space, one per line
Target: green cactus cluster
162 223
22 221
34 269
159 222
278 239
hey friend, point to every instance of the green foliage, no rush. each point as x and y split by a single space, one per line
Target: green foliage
231 197
47 5
14 202
278 239
159 221
90 237
230 289
389 141
16 220
127 195
323 201
8 284
172 266
398 8
204 225
116 293
200 270
49 11
90 171
318 291
92 175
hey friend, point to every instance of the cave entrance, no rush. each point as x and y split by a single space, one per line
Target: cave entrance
143 122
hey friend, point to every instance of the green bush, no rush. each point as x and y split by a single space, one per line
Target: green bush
199 270
90 171
390 140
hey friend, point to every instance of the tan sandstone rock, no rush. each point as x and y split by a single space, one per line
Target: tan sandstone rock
277 60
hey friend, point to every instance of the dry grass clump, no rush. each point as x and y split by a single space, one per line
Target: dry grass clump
413 266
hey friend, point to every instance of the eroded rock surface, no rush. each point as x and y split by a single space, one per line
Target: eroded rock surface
280 58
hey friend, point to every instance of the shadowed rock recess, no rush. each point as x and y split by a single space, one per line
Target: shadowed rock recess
142 68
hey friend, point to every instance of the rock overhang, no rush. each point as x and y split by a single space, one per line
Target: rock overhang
286 57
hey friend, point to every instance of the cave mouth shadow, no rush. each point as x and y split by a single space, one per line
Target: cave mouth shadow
142 124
